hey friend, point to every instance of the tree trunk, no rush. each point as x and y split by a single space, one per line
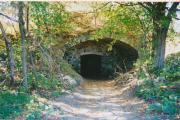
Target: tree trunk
10 54
160 27
161 23
27 18
23 43
159 44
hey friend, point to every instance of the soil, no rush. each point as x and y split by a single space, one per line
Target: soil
99 100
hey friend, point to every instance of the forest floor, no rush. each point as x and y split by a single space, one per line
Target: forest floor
99 100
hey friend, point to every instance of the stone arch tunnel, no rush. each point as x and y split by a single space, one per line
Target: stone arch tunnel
92 59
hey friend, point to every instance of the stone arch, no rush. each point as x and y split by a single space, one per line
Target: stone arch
120 58
94 53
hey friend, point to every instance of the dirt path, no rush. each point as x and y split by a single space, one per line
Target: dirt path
99 100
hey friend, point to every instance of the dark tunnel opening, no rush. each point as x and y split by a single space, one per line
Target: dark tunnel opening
90 66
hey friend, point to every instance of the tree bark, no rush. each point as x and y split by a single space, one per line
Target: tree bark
27 18
159 43
161 23
23 43
161 17
10 54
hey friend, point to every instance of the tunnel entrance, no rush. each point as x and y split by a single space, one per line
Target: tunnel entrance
91 58
91 66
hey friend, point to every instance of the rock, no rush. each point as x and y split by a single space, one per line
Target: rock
70 80
156 80
61 74
159 80
162 79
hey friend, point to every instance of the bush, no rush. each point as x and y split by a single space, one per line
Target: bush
12 103
35 115
163 94
171 71
43 82
160 99
172 67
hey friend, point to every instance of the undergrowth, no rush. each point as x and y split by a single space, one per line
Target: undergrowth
12 103
162 91
67 69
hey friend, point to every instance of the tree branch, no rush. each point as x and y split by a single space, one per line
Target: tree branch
126 4
10 54
145 6
10 18
104 5
177 18
172 9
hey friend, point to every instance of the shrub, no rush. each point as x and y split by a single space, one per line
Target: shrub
43 82
35 115
160 99
12 103
163 95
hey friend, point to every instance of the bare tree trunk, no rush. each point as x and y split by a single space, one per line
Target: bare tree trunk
23 43
27 18
159 34
10 54
159 41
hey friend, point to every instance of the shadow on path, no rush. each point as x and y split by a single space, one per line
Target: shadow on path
99 100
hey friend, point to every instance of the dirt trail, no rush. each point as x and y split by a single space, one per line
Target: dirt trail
99 100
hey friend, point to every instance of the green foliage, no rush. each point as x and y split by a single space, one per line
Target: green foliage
35 115
43 81
12 103
147 90
172 67
162 94
56 94
50 21
50 17
155 107
121 22
162 100
171 71
17 54
35 110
